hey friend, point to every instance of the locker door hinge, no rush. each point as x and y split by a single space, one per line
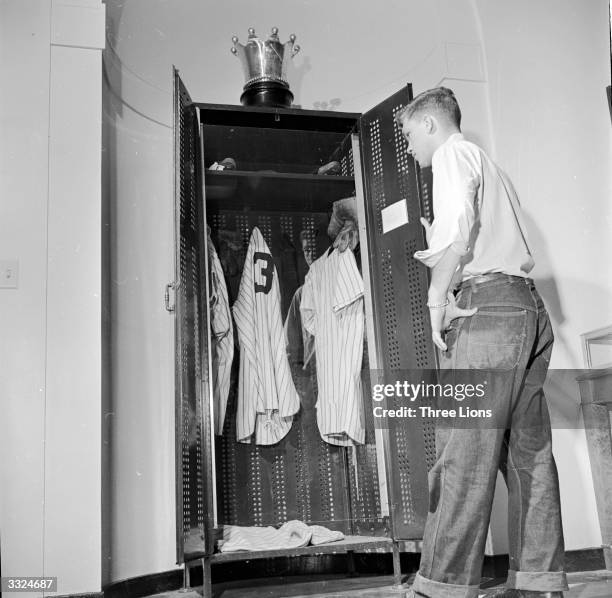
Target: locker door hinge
170 287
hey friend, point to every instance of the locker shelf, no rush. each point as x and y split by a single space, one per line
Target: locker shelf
268 190
349 544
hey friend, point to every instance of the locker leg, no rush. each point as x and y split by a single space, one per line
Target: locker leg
186 575
350 564
397 567
206 578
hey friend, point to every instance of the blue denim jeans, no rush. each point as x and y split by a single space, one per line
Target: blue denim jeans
510 334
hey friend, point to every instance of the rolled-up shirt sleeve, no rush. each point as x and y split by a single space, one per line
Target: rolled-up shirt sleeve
456 182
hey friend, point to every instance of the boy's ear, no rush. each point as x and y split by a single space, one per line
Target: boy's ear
429 123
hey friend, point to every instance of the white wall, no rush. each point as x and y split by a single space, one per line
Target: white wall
548 63
51 330
24 32
548 74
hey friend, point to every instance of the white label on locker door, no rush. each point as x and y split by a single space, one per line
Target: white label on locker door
394 216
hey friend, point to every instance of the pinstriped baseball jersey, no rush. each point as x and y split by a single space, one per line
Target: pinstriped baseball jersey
222 339
332 310
267 399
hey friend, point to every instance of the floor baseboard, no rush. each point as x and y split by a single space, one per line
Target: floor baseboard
495 567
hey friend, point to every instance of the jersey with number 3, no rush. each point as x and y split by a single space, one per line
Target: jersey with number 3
267 399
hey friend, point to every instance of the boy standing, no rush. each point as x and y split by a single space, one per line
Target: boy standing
496 322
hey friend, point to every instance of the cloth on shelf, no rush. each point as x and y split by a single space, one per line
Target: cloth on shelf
222 338
333 167
267 398
225 164
292 534
332 310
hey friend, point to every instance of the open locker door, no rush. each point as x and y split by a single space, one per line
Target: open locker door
399 295
195 515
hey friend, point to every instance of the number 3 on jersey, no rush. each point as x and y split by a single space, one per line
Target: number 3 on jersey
263 270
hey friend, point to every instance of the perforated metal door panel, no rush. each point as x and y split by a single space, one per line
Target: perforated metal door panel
194 477
399 288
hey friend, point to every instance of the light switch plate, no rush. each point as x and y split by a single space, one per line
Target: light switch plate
9 274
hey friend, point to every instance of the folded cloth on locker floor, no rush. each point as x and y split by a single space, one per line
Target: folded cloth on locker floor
292 534
322 535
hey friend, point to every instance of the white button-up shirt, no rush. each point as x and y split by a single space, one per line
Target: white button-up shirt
476 212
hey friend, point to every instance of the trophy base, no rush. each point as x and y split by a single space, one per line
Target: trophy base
267 93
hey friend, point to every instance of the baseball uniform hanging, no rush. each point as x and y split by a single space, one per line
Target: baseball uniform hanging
332 310
267 399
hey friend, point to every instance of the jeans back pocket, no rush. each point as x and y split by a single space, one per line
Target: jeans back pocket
496 337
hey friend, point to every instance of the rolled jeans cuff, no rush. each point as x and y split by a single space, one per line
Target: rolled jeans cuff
428 587
537 581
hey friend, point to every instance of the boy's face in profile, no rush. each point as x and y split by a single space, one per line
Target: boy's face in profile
417 132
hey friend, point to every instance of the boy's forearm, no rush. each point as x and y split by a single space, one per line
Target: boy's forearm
442 275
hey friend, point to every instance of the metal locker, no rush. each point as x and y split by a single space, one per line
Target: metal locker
376 493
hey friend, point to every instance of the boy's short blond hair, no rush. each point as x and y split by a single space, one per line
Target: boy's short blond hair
440 101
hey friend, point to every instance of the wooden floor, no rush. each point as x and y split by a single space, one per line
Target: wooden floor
591 584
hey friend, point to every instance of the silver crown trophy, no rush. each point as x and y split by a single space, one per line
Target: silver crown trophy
265 66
